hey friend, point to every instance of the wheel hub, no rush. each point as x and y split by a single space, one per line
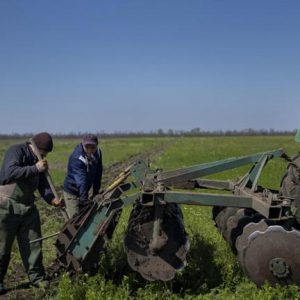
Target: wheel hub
279 267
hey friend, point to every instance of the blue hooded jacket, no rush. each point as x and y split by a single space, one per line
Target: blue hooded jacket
83 173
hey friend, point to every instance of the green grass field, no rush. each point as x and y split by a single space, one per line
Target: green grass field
212 271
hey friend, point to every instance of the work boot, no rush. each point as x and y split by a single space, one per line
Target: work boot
2 288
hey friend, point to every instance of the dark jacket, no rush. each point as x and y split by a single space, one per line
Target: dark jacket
83 173
18 168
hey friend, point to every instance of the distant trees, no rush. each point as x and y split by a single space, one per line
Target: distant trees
168 133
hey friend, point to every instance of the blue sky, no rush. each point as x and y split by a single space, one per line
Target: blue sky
77 66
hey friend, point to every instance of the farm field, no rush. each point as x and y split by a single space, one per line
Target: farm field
212 271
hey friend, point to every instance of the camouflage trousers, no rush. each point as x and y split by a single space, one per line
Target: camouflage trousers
25 228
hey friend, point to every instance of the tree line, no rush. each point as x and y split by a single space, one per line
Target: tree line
163 133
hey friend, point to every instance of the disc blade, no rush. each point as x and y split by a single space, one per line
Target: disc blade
273 256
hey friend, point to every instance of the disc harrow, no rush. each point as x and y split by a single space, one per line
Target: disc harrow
260 225
266 246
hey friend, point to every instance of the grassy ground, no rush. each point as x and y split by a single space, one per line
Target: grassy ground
212 271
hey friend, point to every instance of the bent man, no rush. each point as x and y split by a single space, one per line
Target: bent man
84 173
20 175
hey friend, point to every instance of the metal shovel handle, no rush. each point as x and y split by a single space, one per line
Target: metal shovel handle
48 176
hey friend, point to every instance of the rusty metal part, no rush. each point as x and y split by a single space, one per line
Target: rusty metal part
237 222
223 216
260 226
159 260
215 211
44 237
273 256
242 240
232 223
69 235
242 222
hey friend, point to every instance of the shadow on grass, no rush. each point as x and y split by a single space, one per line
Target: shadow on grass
22 291
22 286
199 276
201 273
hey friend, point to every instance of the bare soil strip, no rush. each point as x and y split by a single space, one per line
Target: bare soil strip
115 169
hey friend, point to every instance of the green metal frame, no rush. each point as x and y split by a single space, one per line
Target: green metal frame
244 192
154 189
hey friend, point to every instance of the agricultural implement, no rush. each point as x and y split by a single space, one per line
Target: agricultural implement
261 225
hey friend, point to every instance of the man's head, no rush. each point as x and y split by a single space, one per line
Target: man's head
43 142
90 143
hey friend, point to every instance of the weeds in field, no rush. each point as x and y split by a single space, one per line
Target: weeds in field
212 271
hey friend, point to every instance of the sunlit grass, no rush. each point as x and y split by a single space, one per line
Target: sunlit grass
212 271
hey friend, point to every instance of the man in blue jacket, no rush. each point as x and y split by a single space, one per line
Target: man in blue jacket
20 175
84 174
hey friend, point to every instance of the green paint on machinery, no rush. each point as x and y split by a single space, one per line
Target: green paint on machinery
261 225
297 136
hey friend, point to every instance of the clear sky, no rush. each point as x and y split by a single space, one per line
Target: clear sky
137 65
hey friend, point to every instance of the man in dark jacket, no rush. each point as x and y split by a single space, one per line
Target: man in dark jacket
20 175
84 172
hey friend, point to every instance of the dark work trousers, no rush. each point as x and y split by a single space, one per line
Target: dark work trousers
25 227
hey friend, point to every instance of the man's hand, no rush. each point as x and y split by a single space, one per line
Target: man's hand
42 165
83 203
58 202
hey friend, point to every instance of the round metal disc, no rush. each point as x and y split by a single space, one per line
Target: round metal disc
223 216
232 223
242 240
260 225
161 259
215 211
153 267
236 225
273 256
242 222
